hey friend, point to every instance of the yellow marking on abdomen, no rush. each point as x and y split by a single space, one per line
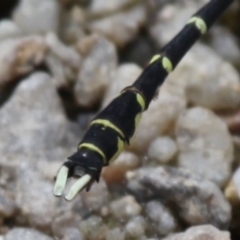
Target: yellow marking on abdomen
136 122
155 58
141 101
199 23
109 124
95 149
166 63
120 146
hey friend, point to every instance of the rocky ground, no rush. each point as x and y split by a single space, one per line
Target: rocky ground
62 61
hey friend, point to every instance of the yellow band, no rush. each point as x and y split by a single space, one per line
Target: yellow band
95 149
107 123
166 63
199 23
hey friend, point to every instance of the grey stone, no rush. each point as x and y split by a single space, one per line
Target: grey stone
125 208
128 24
73 234
8 29
96 73
195 200
33 16
26 234
209 82
33 122
201 232
7 205
35 198
136 227
163 221
20 56
205 145
162 150
102 7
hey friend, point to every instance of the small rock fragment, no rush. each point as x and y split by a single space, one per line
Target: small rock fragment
201 232
26 234
171 18
102 7
116 171
93 228
65 220
125 208
9 29
63 61
205 145
210 82
135 228
162 150
162 219
195 200
38 211
232 191
223 37
7 205
20 56
96 73
97 197
34 16
33 123
73 234
116 234
128 24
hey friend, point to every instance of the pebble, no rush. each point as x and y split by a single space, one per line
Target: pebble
116 234
103 7
116 171
65 53
35 198
8 30
66 220
19 57
72 27
161 218
33 16
171 18
162 150
98 197
128 25
124 208
210 82
136 228
73 234
232 194
94 228
8 207
201 232
63 61
232 191
33 122
20 233
96 73
205 145
223 37
196 200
